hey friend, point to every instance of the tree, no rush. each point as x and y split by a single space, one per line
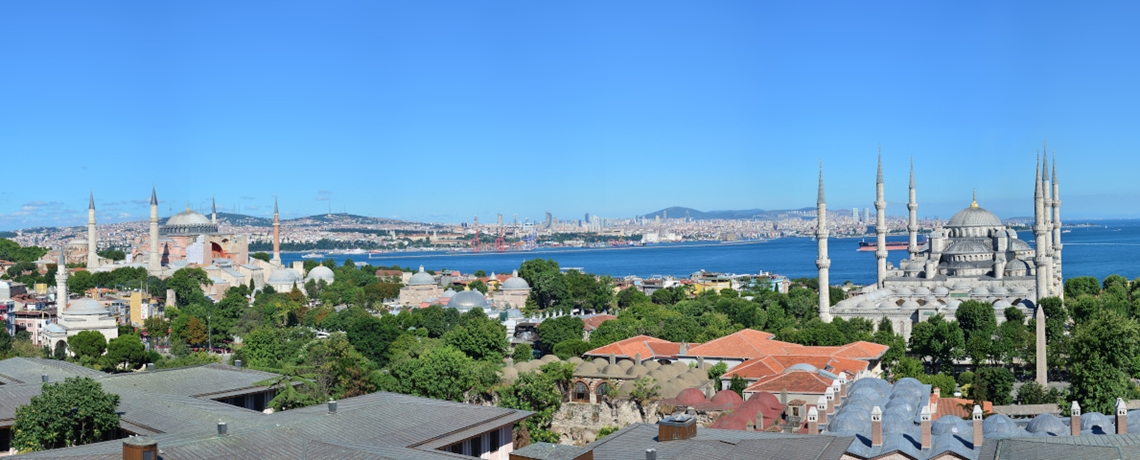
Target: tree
112 254
187 285
545 278
540 392
478 285
908 367
441 373
557 330
479 273
886 336
993 384
156 327
1081 285
938 342
69 413
338 370
126 352
522 353
737 384
87 346
630 296
195 332
482 339
570 348
717 370
1102 358
265 256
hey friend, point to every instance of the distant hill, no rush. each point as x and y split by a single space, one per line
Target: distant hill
243 220
677 212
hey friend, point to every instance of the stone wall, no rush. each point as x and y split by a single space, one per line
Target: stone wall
578 423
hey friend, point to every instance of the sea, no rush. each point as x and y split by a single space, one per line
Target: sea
1098 249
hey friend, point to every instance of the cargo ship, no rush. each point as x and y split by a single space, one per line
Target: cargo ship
891 245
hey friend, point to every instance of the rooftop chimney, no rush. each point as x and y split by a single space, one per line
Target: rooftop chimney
332 406
221 429
684 350
877 427
140 448
924 418
1121 417
1075 419
44 378
977 416
237 363
650 454
836 390
830 395
637 358
149 366
821 408
676 427
613 359
813 421
842 385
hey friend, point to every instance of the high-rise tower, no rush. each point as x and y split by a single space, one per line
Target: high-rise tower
880 224
822 263
1058 280
154 264
276 234
912 218
92 254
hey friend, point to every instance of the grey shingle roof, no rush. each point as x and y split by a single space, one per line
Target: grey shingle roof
548 451
709 443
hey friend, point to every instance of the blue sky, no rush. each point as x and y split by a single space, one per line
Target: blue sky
438 111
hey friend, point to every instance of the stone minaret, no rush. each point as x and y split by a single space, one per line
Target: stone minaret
61 282
1058 280
1042 373
92 256
276 234
1039 232
912 219
154 264
880 224
213 211
1047 203
822 263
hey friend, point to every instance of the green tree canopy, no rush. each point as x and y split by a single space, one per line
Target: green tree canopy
87 346
126 352
553 331
69 413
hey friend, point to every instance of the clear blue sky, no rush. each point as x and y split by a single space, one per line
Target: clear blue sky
437 111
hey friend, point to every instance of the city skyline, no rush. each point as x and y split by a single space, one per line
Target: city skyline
439 112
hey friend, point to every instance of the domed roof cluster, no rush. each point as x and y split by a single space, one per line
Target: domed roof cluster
321 272
421 278
670 378
188 222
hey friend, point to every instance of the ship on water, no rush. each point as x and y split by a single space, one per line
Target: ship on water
891 245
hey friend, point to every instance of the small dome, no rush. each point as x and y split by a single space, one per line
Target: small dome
727 397
866 304
575 360
600 362
802 367
888 305
903 291
979 291
86 306
625 363
449 293
950 425
320 272
941 290
613 370
1001 305
509 374
467 300
77 242
550 358
586 368
421 278
515 283
651 365
910 305
953 304
974 216
1089 420
922 290
636 371
1019 291
1000 426
999 290
691 397
1046 423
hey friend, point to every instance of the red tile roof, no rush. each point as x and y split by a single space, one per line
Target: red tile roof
796 381
594 321
746 344
631 347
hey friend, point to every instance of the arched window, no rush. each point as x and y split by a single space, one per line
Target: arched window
581 392
603 389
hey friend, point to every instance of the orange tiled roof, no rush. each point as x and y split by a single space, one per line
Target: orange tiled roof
953 407
863 350
747 344
756 368
633 346
796 381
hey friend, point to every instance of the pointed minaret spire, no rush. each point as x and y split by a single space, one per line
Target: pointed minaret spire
1058 279
276 234
153 197
1040 232
912 218
92 235
154 263
880 224
213 211
822 262
91 201
61 281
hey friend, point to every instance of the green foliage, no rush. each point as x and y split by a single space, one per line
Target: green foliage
1101 354
273 348
738 384
540 392
87 346
886 336
547 286
13 252
478 285
1034 393
966 378
479 273
606 431
112 254
573 347
126 352
587 292
938 342
196 358
993 384
522 353
942 381
908 367
265 256
644 389
187 285
441 373
1081 285
631 296
557 330
337 369
717 370
69 413
480 338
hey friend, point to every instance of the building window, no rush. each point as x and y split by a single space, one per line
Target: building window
457 448
477 446
603 389
581 392
496 440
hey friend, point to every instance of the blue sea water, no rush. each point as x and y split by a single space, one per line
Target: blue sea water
1106 248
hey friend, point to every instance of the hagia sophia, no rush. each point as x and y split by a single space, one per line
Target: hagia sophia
972 257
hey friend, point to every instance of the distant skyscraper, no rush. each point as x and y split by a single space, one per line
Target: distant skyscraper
587 217
549 219
866 215
500 222
855 214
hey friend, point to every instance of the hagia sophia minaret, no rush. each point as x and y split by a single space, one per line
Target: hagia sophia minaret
912 220
1058 280
276 234
1040 232
154 264
61 282
822 263
213 211
92 254
880 224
